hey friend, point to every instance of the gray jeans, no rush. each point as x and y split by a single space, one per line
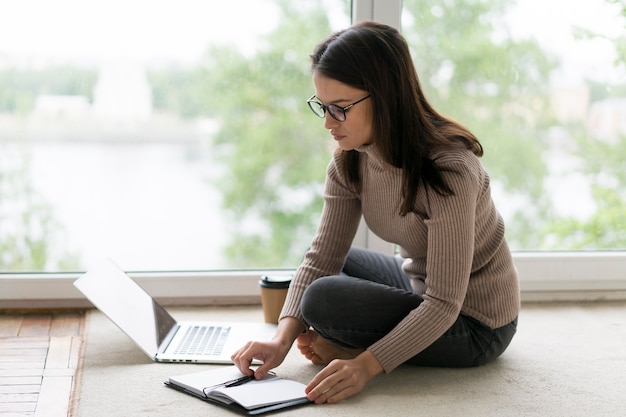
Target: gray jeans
372 295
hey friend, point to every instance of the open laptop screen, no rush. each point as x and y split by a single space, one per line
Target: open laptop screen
124 302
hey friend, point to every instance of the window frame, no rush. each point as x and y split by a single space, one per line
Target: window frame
544 276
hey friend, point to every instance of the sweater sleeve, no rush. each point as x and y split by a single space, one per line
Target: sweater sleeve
338 224
450 222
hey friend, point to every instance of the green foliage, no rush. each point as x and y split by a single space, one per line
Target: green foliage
618 41
605 229
605 168
20 88
274 150
27 224
472 71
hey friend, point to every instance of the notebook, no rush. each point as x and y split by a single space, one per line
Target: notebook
226 387
154 330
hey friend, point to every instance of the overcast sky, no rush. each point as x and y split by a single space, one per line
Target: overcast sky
181 29
132 29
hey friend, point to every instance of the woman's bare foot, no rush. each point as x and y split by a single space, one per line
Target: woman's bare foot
321 351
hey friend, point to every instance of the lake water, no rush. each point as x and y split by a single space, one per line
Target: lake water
145 205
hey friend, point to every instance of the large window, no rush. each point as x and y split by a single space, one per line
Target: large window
174 135
169 135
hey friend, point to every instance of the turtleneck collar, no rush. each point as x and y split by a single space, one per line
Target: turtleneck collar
373 153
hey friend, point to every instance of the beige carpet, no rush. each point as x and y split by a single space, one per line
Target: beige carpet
566 360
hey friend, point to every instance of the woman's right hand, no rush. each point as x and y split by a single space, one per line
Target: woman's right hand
272 353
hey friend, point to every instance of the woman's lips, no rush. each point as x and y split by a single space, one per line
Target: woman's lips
337 137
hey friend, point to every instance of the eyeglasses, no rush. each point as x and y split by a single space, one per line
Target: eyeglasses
336 112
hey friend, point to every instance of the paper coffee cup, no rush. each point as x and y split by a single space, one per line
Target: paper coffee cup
273 292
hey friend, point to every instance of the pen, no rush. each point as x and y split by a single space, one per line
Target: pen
239 381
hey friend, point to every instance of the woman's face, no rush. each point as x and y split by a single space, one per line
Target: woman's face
356 130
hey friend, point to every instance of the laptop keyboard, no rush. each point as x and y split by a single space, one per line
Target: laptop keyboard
203 340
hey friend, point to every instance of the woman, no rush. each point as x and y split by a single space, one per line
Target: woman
452 299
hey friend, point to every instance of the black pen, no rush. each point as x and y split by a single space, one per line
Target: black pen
239 381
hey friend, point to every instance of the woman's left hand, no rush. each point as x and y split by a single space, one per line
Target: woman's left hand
343 378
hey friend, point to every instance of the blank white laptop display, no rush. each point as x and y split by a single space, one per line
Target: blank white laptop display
154 330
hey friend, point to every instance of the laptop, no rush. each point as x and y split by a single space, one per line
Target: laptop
154 330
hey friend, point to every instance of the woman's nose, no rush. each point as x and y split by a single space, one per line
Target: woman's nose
329 121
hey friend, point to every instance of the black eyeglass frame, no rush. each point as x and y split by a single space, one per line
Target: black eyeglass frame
332 109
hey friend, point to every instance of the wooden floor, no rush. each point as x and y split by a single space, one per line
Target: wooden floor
39 358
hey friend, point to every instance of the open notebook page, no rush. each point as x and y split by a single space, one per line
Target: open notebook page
253 394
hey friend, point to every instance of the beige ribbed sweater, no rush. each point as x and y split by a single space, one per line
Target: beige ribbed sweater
456 255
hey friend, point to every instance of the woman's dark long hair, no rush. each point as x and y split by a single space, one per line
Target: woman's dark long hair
375 57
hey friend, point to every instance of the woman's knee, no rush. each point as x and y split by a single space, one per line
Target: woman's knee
319 299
